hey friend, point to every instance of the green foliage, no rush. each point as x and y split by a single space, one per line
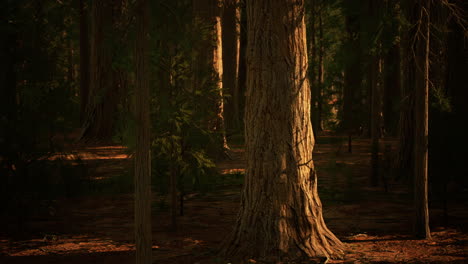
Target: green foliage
181 137
38 102
180 110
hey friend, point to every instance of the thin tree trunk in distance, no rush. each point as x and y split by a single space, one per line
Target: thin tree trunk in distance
421 225
231 44
280 218
405 161
142 179
375 120
374 82
84 59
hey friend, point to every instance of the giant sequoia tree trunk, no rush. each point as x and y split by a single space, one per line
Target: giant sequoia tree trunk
280 215
142 179
106 81
421 106
100 103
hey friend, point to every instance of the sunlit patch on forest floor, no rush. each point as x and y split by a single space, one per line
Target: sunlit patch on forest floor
374 224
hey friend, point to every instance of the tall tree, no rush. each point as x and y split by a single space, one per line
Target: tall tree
142 179
405 162
372 21
210 59
280 216
421 109
107 81
231 45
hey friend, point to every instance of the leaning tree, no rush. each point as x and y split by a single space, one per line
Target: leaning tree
280 215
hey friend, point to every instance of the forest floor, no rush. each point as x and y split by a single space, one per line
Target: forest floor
374 224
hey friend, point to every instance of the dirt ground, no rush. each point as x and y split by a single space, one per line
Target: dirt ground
375 225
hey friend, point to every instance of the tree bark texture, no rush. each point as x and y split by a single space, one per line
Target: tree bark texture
142 179
107 83
231 45
210 57
421 49
280 216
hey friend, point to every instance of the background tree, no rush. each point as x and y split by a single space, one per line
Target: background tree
420 48
142 179
280 215
109 21
209 59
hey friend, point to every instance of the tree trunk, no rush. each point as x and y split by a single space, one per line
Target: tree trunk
105 88
210 58
142 179
405 162
421 47
280 217
84 59
231 44
375 119
100 108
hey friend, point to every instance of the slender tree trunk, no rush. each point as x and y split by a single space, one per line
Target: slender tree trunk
405 162
375 120
374 82
231 44
71 68
142 155
421 134
84 59
280 218
210 57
